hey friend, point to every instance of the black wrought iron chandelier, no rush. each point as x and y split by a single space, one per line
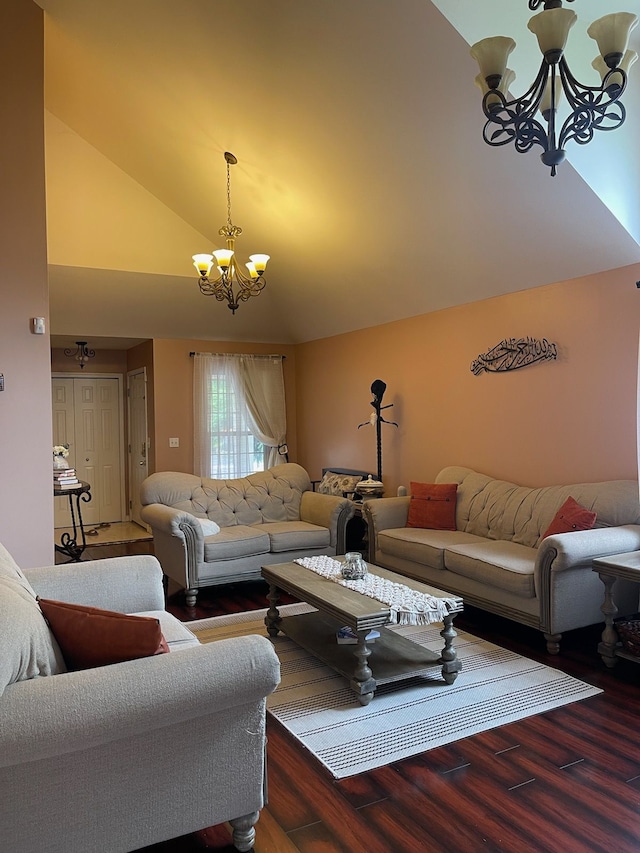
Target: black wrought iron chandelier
231 284
591 107
82 353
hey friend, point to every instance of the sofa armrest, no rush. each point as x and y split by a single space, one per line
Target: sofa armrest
566 586
385 514
329 511
178 542
126 584
60 714
568 550
167 520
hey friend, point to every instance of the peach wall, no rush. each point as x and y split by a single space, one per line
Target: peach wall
173 390
563 421
26 496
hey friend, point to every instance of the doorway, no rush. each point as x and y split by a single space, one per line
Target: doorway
87 415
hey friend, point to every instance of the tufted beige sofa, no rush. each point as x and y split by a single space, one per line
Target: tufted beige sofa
498 561
269 517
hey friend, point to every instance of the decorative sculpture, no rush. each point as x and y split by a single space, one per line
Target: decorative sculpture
514 353
378 387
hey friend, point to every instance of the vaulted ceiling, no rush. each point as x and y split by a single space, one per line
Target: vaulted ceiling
361 166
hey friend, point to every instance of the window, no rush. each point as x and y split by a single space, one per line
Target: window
239 414
235 452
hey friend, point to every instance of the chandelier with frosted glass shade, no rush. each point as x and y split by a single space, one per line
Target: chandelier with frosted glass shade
231 284
533 118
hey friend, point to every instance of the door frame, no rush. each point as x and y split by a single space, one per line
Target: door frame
136 372
61 374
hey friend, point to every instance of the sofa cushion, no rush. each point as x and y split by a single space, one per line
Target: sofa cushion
502 564
338 484
91 636
239 540
10 569
28 647
272 495
498 509
295 535
420 545
433 505
571 516
176 633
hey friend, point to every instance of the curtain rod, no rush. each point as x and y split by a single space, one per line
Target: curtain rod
243 354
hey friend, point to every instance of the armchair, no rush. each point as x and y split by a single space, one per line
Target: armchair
123 756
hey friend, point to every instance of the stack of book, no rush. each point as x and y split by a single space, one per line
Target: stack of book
347 636
65 478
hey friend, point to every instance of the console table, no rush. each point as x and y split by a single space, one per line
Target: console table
69 545
610 569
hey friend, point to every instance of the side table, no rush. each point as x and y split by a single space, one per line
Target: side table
69 544
356 533
611 569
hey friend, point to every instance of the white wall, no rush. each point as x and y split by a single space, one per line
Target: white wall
26 499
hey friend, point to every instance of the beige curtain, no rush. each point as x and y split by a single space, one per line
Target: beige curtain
261 386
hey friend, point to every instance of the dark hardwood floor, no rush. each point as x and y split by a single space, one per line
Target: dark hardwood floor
567 781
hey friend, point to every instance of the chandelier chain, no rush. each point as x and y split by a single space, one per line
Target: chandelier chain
229 198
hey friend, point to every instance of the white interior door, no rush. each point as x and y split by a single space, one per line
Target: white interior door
95 446
138 439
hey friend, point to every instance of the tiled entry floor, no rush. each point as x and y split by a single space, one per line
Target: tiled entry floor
116 532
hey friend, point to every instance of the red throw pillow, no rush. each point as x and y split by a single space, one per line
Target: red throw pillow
433 505
571 516
89 636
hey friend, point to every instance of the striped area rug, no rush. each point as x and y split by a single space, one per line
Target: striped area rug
315 704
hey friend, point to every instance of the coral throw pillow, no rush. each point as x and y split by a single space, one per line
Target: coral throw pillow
89 636
433 505
571 516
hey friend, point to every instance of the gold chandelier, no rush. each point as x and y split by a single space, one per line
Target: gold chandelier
591 107
231 284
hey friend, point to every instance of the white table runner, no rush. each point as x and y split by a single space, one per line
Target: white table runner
407 606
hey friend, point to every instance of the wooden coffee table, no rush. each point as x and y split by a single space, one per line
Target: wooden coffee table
392 657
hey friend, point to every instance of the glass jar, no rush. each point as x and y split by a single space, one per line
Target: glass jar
354 567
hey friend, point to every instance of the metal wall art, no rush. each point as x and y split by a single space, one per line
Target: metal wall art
514 353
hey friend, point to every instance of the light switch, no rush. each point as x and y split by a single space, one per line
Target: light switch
174 442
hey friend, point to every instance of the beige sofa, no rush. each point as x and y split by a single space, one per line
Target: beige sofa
119 757
270 517
498 561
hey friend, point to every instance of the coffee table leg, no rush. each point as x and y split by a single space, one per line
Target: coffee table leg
273 619
609 641
451 666
363 683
